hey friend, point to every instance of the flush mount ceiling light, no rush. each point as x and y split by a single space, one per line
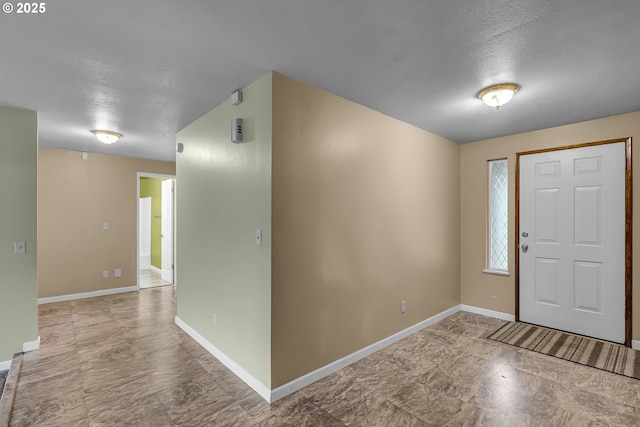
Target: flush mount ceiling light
107 136
498 95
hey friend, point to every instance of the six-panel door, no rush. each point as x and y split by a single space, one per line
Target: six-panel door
572 212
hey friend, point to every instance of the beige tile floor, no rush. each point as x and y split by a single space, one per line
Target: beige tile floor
151 279
120 360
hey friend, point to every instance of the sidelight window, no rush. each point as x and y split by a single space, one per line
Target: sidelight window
498 215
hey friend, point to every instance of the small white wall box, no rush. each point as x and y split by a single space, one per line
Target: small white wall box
236 98
236 130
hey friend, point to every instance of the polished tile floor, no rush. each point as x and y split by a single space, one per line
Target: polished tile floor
120 360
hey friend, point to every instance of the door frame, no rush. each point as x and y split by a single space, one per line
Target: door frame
628 320
171 227
164 176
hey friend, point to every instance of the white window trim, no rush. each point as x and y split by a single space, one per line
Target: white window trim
496 272
488 269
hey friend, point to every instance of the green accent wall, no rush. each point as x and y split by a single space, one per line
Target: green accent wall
224 195
18 222
152 187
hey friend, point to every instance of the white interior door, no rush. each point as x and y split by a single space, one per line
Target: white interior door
572 240
167 231
144 235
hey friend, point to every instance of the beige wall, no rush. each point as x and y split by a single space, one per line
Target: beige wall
18 280
498 293
223 196
365 215
75 197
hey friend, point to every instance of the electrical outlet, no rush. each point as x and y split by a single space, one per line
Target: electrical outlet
105 274
117 272
215 320
403 306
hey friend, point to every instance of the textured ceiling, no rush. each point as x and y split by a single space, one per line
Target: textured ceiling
147 68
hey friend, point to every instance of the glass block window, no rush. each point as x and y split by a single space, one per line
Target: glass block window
498 250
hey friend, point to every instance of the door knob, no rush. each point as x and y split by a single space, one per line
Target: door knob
525 234
525 248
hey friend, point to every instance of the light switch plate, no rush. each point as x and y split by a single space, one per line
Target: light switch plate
258 237
19 247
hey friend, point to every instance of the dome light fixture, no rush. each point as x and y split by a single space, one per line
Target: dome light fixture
107 136
498 95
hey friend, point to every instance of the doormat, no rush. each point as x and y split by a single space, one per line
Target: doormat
604 355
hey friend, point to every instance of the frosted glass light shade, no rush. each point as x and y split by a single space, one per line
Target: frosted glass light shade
498 95
107 136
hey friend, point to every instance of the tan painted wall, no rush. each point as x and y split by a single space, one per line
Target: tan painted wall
365 215
223 196
18 280
75 197
498 293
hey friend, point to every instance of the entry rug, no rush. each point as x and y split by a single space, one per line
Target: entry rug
604 355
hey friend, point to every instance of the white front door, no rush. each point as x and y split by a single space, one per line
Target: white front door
167 231
572 240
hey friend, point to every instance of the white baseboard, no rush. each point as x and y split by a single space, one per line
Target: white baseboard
489 313
303 381
31 345
4 366
311 377
635 344
251 381
81 295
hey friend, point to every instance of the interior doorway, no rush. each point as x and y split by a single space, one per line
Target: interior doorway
156 230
